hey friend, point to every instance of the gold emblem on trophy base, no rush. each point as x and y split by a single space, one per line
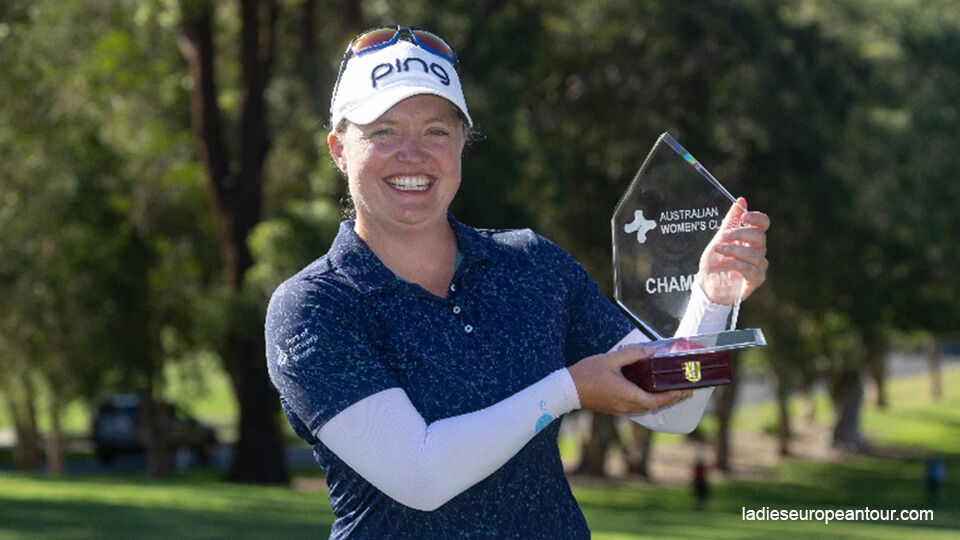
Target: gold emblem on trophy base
691 370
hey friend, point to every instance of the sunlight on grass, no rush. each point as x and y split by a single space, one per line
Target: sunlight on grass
204 388
913 419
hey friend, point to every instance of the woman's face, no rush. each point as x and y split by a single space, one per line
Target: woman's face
404 168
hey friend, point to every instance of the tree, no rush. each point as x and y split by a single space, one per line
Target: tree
59 231
235 185
107 249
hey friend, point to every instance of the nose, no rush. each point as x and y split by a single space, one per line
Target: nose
411 149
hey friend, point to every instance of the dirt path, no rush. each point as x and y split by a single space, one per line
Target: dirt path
753 456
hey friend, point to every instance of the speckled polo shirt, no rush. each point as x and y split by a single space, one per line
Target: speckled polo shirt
518 308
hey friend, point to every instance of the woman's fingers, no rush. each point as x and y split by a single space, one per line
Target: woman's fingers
662 399
749 255
757 219
754 274
602 387
748 236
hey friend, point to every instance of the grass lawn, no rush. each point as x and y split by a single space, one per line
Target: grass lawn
192 506
630 512
198 505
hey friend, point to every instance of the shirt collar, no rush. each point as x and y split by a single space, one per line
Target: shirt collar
351 256
472 245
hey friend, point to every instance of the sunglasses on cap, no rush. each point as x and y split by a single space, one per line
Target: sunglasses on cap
385 36
378 38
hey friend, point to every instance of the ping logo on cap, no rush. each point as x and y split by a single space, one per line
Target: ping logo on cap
386 69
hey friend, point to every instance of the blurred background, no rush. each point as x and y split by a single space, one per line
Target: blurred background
163 167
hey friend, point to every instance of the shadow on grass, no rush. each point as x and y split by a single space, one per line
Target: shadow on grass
80 520
95 508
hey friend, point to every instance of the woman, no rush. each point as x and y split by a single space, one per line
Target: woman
428 362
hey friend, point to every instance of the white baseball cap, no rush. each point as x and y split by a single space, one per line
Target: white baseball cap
374 81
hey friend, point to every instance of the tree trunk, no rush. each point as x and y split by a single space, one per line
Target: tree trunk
156 418
726 399
26 451
55 436
32 431
593 454
933 362
784 427
258 453
878 372
351 16
808 398
877 364
310 66
638 454
846 391
236 193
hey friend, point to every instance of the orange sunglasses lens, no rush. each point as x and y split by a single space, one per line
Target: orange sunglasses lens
431 41
373 38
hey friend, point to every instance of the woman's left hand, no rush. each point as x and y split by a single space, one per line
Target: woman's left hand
739 247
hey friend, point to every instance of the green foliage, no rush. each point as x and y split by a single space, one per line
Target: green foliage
285 244
109 234
836 118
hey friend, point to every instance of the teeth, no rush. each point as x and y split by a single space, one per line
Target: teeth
409 183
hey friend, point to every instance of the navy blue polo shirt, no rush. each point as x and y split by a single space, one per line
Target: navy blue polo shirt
518 308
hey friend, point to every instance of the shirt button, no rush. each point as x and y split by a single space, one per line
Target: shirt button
468 329
453 287
456 310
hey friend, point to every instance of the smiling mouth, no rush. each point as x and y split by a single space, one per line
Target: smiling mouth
409 183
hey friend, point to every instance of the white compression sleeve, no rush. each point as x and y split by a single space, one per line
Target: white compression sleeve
386 441
702 317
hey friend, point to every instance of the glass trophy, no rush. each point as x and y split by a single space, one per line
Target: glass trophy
661 227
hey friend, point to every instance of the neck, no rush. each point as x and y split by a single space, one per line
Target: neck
425 256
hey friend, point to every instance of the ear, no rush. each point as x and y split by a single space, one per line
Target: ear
336 151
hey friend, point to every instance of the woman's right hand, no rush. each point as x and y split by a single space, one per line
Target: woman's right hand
602 387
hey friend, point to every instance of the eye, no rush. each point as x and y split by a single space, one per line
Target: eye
438 132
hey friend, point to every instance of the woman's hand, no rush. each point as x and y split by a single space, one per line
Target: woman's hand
603 388
738 249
